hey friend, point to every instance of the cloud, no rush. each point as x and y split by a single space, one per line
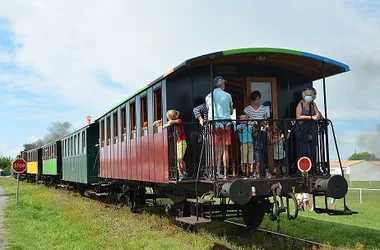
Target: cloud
33 138
9 150
63 47
86 56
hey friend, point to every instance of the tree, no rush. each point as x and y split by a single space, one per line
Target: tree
55 131
363 156
5 163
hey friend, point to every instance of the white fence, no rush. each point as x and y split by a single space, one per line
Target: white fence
364 189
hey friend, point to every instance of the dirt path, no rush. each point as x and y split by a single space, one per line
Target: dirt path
3 199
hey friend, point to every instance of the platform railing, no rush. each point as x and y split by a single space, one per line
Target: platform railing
277 146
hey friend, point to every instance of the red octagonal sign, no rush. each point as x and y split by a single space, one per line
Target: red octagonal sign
19 166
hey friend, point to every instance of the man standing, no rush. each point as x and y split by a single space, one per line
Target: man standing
220 107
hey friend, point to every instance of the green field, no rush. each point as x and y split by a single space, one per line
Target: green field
364 184
47 218
360 231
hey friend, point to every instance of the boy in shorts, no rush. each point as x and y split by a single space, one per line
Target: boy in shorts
245 131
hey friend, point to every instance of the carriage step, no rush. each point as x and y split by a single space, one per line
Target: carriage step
106 184
333 211
192 220
98 194
200 201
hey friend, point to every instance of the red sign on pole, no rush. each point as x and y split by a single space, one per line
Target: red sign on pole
304 164
19 166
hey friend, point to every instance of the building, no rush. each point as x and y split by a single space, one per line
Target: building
359 170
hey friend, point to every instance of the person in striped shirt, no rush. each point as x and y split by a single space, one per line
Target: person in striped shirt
257 112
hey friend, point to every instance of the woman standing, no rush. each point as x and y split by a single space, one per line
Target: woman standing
307 113
257 112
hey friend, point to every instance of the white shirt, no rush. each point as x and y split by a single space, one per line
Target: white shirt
306 197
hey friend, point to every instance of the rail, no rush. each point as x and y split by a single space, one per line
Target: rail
270 147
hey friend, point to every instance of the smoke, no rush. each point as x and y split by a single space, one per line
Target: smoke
55 131
370 140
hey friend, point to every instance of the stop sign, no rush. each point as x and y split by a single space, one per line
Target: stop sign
19 166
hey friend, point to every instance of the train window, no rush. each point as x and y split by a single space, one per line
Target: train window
132 112
144 115
102 133
83 142
115 127
71 146
78 144
157 109
108 135
123 124
75 144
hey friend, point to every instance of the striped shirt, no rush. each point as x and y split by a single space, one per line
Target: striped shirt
201 110
255 114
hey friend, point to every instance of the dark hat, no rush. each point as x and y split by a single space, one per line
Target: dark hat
218 80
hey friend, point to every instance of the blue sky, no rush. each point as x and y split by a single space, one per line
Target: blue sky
60 63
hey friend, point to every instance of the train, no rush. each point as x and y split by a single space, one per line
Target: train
122 153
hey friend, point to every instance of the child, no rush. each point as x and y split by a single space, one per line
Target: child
333 205
245 131
300 202
173 119
278 141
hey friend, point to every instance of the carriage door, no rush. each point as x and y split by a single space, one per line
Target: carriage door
268 90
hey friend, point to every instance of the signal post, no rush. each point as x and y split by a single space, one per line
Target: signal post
19 167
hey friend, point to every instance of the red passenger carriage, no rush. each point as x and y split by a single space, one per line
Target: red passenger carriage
134 154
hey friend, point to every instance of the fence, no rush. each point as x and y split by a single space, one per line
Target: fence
370 196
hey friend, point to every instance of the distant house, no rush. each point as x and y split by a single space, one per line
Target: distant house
357 170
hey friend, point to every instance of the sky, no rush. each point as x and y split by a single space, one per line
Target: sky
64 60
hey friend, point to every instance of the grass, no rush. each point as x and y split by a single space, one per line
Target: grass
55 219
360 231
364 184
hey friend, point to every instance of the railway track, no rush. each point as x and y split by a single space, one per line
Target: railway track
313 244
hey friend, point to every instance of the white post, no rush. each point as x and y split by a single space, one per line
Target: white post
18 179
361 196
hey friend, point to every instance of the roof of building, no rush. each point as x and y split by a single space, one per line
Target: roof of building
348 163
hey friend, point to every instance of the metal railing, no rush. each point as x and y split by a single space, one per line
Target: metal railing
274 146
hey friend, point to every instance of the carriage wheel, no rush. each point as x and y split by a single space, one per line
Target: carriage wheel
131 201
253 212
